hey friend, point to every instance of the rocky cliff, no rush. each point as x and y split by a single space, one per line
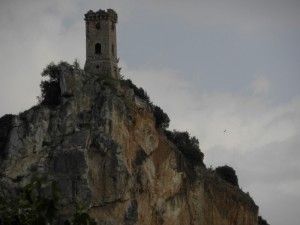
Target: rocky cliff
102 146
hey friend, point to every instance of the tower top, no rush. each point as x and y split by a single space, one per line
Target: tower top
110 14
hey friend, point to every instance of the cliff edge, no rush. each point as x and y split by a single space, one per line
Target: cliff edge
102 145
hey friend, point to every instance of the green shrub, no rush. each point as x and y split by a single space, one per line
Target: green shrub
50 89
51 94
189 146
76 64
29 205
262 221
140 92
162 120
228 174
37 203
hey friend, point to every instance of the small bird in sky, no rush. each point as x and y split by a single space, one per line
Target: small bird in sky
225 131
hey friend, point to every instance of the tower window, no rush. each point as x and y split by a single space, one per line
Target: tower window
112 26
113 50
87 27
98 26
97 48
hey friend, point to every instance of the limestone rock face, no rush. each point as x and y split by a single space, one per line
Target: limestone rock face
104 150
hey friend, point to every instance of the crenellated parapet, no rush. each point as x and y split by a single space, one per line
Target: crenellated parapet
110 14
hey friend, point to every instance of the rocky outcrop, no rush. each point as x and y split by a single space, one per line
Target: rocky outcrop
105 150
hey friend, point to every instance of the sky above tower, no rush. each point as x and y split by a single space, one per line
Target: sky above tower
211 65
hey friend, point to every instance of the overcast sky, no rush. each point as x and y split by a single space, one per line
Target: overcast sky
212 66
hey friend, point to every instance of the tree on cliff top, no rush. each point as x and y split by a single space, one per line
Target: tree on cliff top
50 89
227 173
162 119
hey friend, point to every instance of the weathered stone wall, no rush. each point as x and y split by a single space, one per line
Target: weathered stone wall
106 152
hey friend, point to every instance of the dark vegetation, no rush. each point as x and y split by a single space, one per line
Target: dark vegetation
37 203
140 92
228 174
50 89
5 127
188 145
140 157
162 119
262 221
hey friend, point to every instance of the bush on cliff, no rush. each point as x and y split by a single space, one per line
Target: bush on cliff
140 92
50 89
189 146
262 221
37 203
227 173
162 119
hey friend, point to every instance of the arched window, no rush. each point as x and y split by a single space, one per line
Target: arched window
98 26
97 48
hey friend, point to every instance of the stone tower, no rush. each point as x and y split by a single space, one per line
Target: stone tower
101 43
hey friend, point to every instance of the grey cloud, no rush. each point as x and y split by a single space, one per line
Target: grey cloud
249 16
